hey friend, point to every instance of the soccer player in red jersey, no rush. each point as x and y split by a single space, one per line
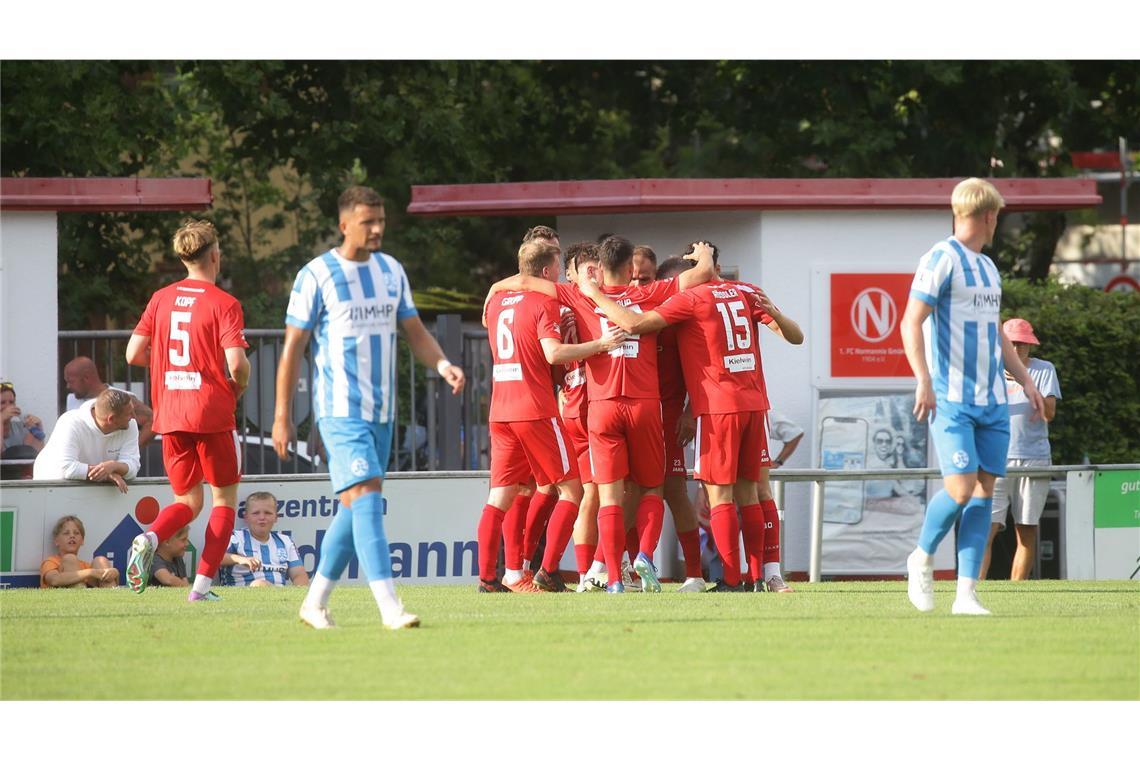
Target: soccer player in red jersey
190 335
624 417
722 373
527 435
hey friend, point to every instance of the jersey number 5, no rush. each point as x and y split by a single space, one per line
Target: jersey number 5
179 339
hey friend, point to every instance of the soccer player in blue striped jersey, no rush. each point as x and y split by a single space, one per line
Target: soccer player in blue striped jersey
349 301
952 334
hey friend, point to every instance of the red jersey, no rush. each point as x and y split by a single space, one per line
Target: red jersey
669 377
573 381
190 325
521 387
719 347
630 370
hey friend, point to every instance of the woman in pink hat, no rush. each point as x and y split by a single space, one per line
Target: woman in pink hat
1028 447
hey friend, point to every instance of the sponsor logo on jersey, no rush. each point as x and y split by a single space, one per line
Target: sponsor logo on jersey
740 362
371 315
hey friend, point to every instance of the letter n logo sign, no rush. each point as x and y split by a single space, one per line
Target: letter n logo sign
874 315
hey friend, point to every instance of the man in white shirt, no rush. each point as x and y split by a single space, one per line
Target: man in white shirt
99 442
83 380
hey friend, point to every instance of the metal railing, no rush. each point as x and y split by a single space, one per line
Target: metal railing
434 430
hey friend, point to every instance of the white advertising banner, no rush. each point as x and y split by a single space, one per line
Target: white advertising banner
430 521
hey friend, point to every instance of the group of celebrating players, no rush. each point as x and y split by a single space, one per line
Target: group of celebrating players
646 359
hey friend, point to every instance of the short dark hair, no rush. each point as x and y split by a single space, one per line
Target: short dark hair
615 252
602 238
579 252
540 232
716 251
645 252
673 266
358 195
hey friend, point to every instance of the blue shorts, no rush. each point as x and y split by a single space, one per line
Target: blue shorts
358 449
970 438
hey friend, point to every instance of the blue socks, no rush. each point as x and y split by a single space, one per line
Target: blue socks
368 535
941 513
336 548
972 536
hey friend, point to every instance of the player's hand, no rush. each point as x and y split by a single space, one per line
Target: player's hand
454 377
700 248
237 389
613 337
1036 400
924 401
119 482
686 428
766 302
284 435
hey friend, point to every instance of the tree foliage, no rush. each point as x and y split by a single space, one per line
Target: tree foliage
280 139
1093 338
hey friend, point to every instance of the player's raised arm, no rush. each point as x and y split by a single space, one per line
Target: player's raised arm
426 348
288 372
781 324
520 282
704 270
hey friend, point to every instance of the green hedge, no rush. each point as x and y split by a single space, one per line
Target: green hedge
1093 338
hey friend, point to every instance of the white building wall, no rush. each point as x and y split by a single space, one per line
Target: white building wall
29 355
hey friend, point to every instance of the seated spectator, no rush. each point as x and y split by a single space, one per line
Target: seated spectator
169 568
65 569
26 430
82 378
258 555
99 442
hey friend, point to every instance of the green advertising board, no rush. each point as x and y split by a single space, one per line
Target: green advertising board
1116 499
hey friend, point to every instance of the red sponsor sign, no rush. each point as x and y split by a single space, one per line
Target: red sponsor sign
866 310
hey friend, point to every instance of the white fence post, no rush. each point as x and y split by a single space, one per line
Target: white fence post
1078 559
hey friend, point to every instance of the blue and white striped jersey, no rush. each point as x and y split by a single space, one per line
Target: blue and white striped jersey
963 333
278 555
353 310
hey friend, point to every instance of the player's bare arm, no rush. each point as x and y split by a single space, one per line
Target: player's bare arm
238 364
1021 375
781 324
702 272
915 346
138 350
426 348
557 352
288 372
631 321
520 282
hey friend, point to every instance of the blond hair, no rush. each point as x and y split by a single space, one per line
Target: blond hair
64 521
975 196
194 239
537 255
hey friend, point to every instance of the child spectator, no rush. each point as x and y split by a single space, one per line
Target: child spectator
65 569
258 555
169 568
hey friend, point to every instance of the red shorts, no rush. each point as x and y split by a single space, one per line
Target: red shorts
671 410
626 441
727 447
580 440
531 447
190 458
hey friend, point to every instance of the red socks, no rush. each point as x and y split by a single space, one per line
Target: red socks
537 515
172 519
611 530
584 556
218 533
632 545
599 555
513 524
490 533
726 533
558 534
752 526
650 516
691 549
771 531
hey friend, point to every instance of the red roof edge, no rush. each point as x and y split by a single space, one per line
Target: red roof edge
76 194
649 195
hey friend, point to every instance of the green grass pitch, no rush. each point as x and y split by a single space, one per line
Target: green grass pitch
1053 640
